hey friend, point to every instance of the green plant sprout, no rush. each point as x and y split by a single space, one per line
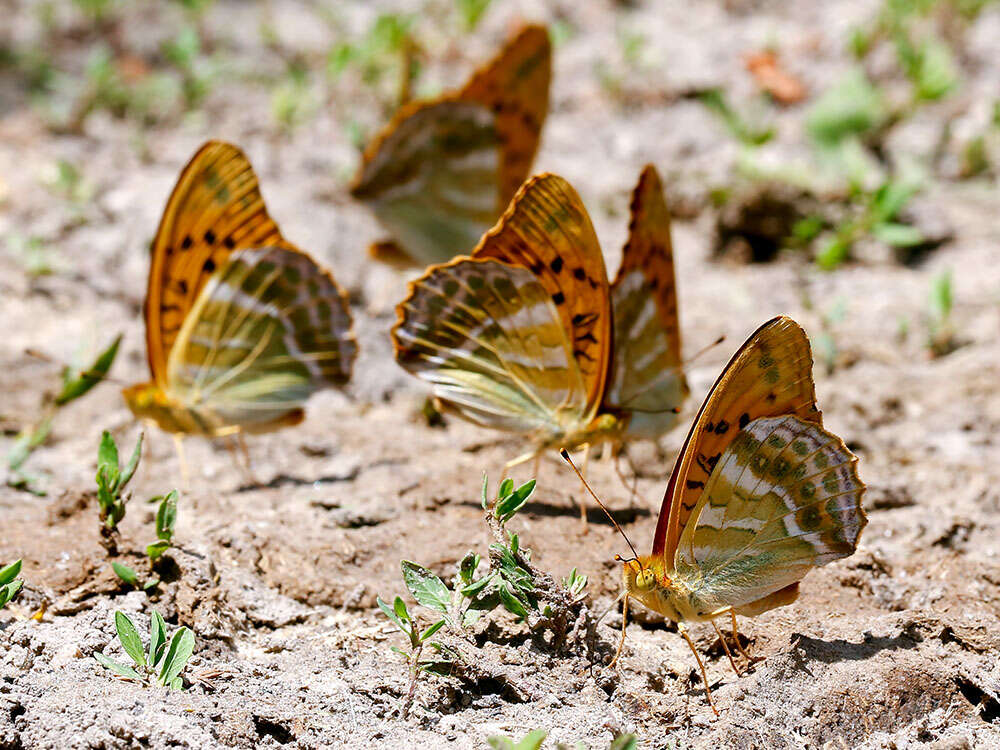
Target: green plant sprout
162 663
112 479
471 12
10 584
940 328
76 382
533 741
510 583
741 128
166 519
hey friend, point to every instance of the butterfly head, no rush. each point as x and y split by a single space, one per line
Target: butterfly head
645 579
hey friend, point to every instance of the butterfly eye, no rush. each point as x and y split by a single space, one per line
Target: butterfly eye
645 579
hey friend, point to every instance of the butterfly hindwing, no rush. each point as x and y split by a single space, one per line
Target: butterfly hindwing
646 377
431 178
442 171
547 231
771 375
269 328
488 338
215 208
783 498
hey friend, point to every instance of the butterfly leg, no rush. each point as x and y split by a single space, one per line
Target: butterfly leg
622 450
621 643
725 647
701 665
179 447
736 637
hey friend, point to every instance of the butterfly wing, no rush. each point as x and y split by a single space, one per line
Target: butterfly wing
442 171
784 497
515 86
269 328
431 178
215 208
770 375
488 338
646 376
546 230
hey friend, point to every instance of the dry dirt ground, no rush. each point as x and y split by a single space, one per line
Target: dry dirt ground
895 647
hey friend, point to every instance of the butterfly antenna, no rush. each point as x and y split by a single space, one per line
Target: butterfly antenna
565 454
705 349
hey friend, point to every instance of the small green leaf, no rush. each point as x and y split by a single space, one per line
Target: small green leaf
107 460
835 253
166 517
133 463
119 669
10 572
897 235
531 741
177 683
506 487
512 604
475 587
126 573
8 592
77 384
427 588
180 650
151 584
467 568
431 630
155 550
401 623
486 484
624 742
129 638
157 637
941 296
399 607
508 506
853 106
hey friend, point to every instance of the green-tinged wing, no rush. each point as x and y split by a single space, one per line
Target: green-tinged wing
488 338
432 179
784 497
269 328
647 381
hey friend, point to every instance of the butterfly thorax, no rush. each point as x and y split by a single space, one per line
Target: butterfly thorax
149 401
647 580
604 428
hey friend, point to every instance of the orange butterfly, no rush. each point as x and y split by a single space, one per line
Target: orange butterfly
442 171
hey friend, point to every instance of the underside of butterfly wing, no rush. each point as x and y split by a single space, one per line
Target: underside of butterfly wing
432 178
215 208
488 338
784 498
771 375
547 231
269 329
646 381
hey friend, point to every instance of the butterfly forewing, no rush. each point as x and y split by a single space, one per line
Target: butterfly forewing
269 328
215 208
783 498
432 178
547 231
489 339
771 375
515 86
646 377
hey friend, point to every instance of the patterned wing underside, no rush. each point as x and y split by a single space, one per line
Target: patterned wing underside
771 375
547 230
515 86
784 497
215 208
488 338
646 369
431 178
269 329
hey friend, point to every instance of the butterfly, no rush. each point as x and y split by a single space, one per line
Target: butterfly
519 335
760 495
443 170
241 326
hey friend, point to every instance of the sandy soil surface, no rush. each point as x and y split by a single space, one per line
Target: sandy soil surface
895 647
